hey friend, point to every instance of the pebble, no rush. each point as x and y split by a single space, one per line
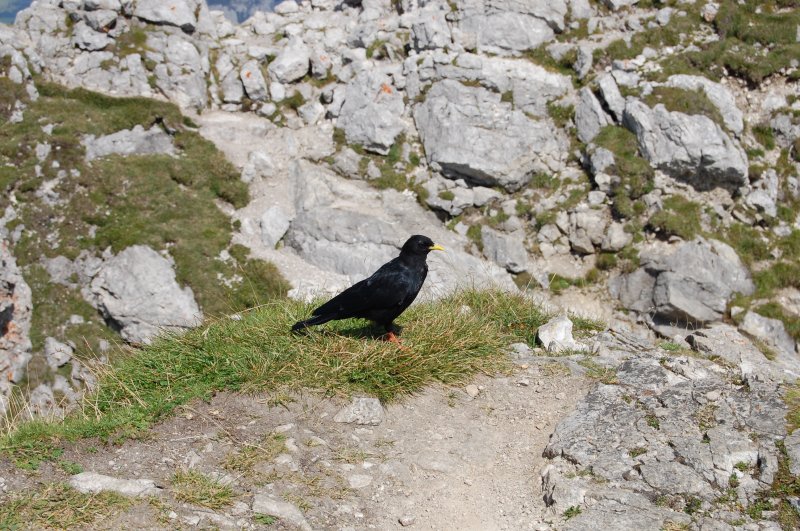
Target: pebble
472 390
407 520
359 481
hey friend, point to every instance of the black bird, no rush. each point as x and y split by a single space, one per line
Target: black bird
384 295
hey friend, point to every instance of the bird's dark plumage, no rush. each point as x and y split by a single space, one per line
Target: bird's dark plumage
384 295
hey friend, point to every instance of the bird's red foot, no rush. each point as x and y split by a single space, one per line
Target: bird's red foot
392 338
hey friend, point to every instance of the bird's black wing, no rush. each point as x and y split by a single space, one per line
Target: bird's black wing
389 287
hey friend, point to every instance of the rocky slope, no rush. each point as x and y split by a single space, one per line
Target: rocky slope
636 161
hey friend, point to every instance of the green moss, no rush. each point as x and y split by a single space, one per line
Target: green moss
679 217
447 195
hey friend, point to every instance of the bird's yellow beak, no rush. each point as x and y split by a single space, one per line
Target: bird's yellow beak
436 247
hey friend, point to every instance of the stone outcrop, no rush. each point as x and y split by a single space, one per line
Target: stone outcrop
691 286
469 132
15 319
688 147
137 293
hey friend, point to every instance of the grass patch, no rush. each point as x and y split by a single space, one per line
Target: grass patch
193 487
792 399
606 375
754 43
747 242
764 136
542 57
243 460
574 510
561 114
679 217
59 506
258 354
264 519
636 175
685 101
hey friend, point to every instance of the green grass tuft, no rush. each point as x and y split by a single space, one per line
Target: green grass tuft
194 487
258 353
58 506
679 217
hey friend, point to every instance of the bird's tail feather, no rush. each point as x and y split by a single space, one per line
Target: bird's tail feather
315 320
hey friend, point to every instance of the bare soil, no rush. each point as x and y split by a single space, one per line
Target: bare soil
442 459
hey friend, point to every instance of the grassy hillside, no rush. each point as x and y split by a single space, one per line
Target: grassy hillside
157 200
445 341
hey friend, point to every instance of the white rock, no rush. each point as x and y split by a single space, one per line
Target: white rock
91 482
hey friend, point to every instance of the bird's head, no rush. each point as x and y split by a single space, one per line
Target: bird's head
420 245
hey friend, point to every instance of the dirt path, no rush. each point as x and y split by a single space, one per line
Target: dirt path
445 459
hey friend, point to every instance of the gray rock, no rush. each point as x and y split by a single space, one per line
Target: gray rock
292 63
91 482
56 353
616 238
265 504
180 13
726 342
691 286
311 113
684 443
430 31
600 159
274 224
786 129
718 94
362 410
136 141
764 194
16 311
770 331
532 86
253 81
470 133
506 250
370 115
616 5
583 63
86 38
183 78
792 444
610 93
587 229
508 27
42 403
691 148
101 19
137 291
590 117
556 335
